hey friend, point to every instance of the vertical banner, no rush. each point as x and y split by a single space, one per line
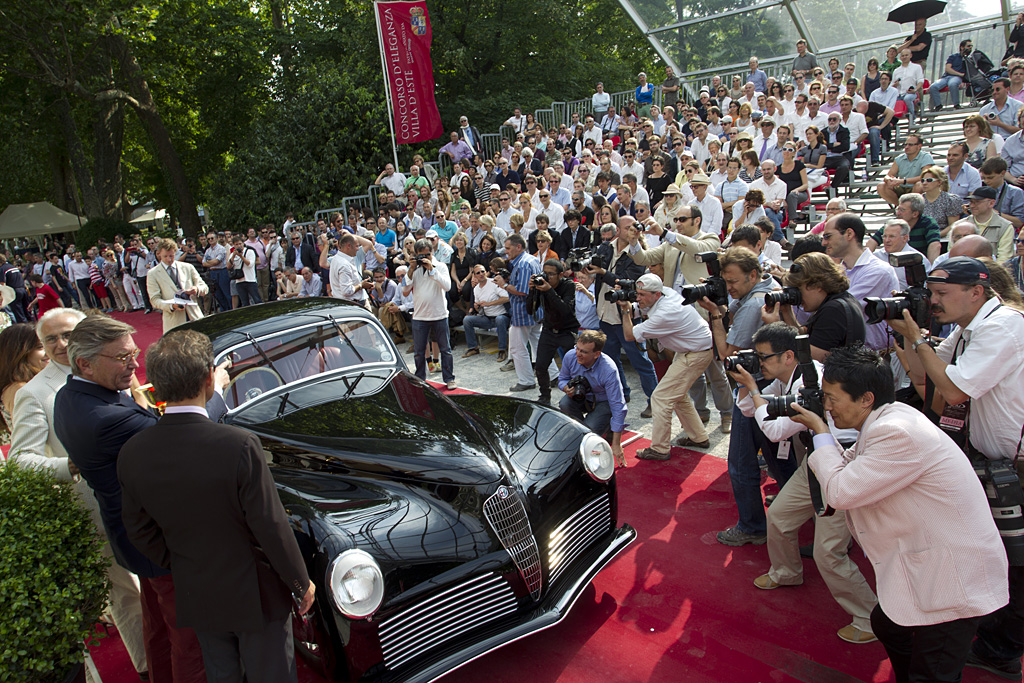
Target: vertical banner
405 48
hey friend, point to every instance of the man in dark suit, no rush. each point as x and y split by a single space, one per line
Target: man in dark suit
236 565
306 254
574 235
93 418
837 142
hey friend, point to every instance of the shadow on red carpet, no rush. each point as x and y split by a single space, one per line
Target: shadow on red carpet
675 606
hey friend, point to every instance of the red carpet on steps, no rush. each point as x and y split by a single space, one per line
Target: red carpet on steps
676 606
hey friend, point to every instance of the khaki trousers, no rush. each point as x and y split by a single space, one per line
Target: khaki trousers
673 395
786 515
392 321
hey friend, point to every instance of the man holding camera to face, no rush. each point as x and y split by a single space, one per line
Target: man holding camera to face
557 296
593 392
428 281
775 346
978 377
680 329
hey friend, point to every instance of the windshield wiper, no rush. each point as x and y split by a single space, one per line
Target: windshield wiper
263 354
345 337
352 387
284 402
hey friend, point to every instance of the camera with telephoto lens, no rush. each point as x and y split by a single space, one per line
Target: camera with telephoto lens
580 386
789 296
1006 500
582 258
747 358
713 287
627 293
915 298
810 396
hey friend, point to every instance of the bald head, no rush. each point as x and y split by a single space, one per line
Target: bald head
975 246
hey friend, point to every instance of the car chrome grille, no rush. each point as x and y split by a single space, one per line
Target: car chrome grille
570 538
445 616
507 516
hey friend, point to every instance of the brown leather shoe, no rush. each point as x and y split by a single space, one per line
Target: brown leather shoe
471 352
765 583
502 355
852 634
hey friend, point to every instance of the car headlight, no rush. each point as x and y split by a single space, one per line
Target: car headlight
356 583
597 457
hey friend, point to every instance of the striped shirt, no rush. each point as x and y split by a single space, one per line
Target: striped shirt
523 268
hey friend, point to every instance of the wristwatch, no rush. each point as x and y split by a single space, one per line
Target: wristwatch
917 343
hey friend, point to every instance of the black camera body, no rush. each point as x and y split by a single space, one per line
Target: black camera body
627 293
747 358
789 296
713 287
537 280
810 396
422 259
580 386
582 258
915 298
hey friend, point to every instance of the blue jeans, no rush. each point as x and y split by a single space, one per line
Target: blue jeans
745 474
472 323
776 218
910 99
221 288
248 293
421 334
636 355
598 420
875 141
953 82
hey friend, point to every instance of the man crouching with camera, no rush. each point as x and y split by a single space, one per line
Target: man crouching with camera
917 509
777 357
978 379
593 392
682 330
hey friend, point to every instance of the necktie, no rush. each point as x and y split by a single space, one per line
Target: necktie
764 146
173 272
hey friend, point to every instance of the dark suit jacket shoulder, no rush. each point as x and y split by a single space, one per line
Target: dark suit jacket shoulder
224 534
310 259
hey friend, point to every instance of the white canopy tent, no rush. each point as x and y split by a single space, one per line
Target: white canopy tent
37 218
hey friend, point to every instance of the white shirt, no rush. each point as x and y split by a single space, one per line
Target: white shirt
636 169
395 182
773 250
910 76
504 218
429 291
774 192
78 270
489 292
759 142
798 124
555 214
711 212
700 150
346 279
249 271
592 134
857 125
677 327
991 371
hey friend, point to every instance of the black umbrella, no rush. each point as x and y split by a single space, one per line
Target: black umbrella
912 10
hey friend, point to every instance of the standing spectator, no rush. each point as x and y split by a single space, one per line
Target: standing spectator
176 280
141 261
919 44
216 259
525 327
669 88
600 101
953 75
46 298
517 120
34 443
429 281
221 556
261 265
394 180
96 279
471 135
804 62
59 281
644 96
756 76
93 418
243 259
346 275
78 269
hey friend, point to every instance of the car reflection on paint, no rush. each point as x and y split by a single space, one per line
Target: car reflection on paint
436 527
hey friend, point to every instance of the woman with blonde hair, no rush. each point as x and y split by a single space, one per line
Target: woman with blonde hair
670 207
744 121
942 206
544 250
978 136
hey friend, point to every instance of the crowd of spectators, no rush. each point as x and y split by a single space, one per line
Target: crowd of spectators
654 236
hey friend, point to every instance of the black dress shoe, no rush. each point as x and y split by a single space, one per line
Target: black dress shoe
1010 671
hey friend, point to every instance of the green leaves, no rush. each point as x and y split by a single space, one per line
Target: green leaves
52 576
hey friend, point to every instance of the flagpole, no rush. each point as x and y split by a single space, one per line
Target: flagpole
387 85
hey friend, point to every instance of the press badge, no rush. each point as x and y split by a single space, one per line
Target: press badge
784 447
954 418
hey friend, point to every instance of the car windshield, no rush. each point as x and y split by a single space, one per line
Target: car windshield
264 364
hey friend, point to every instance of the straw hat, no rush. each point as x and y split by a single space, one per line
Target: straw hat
699 178
672 189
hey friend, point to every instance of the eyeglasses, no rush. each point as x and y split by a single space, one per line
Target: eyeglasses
765 356
929 180
544 196
682 219
124 358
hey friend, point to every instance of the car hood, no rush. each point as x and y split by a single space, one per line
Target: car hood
380 421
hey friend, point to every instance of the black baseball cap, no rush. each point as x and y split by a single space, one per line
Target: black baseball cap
983 192
960 270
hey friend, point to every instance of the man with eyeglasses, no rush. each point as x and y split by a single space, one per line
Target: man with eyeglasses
776 348
93 418
837 144
1009 197
905 172
631 165
775 191
554 212
885 94
831 103
800 118
506 175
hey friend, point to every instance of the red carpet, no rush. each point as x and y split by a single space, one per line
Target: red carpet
676 606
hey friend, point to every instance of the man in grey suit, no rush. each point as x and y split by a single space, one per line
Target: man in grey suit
236 564
35 444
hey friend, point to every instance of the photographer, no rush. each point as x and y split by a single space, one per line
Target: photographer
776 347
428 281
557 296
679 329
620 266
917 509
741 273
593 392
347 281
815 283
978 377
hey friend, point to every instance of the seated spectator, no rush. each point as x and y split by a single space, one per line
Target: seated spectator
939 204
834 207
905 171
1002 112
993 227
954 73
978 137
312 284
544 241
289 285
749 210
1013 152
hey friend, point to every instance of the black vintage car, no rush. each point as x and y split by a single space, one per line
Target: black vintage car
436 527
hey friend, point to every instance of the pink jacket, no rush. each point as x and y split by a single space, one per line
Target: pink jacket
918 510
